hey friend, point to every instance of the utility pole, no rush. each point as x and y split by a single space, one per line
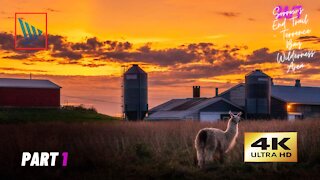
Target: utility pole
123 108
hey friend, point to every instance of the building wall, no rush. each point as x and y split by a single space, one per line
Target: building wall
308 111
29 97
236 96
220 106
278 109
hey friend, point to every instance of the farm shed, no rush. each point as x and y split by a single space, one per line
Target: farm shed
29 93
287 102
258 94
203 109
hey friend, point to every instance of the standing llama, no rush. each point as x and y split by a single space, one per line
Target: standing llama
211 140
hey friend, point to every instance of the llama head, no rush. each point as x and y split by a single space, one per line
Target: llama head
235 117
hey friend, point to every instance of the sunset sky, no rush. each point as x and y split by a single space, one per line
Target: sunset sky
180 43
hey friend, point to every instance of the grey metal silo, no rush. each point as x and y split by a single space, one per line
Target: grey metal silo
135 84
258 95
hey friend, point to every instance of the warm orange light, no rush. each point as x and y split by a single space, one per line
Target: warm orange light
288 107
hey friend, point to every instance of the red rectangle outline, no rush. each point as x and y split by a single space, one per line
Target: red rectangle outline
15 31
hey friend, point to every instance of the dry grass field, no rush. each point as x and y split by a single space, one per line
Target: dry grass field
148 150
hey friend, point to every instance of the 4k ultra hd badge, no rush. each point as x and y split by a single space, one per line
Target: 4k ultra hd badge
270 147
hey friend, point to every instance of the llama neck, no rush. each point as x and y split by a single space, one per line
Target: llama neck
232 130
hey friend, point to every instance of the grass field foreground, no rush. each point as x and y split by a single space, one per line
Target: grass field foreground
149 150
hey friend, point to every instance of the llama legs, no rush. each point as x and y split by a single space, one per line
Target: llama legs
200 157
222 157
208 155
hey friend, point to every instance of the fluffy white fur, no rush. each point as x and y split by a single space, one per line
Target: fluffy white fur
211 140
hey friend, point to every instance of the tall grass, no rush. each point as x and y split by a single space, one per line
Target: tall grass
65 114
148 150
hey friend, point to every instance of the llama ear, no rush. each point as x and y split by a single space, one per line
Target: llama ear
231 114
239 114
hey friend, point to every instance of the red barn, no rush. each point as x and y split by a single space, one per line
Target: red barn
28 93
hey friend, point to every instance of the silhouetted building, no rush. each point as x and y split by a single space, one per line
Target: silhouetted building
135 93
257 98
28 93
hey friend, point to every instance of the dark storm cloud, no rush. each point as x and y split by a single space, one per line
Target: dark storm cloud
226 64
204 71
18 56
183 54
30 43
201 45
24 70
313 70
188 61
119 52
68 54
229 14
6 41
219 62
313 39
179 76
165 79
93 44
146 48
314 61
93 65
28 63
261 56
59 43
59 46
72 51
90 44
160 57
118 46
264 55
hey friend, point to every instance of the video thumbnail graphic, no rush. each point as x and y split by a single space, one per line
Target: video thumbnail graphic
270 147
31 31
44 159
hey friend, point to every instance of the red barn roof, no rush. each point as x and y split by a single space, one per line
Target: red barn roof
27 83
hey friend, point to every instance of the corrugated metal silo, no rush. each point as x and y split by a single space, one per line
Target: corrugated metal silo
258 95
135 93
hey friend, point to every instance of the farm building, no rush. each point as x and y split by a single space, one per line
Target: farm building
257 98
135 93
28 93
193 109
